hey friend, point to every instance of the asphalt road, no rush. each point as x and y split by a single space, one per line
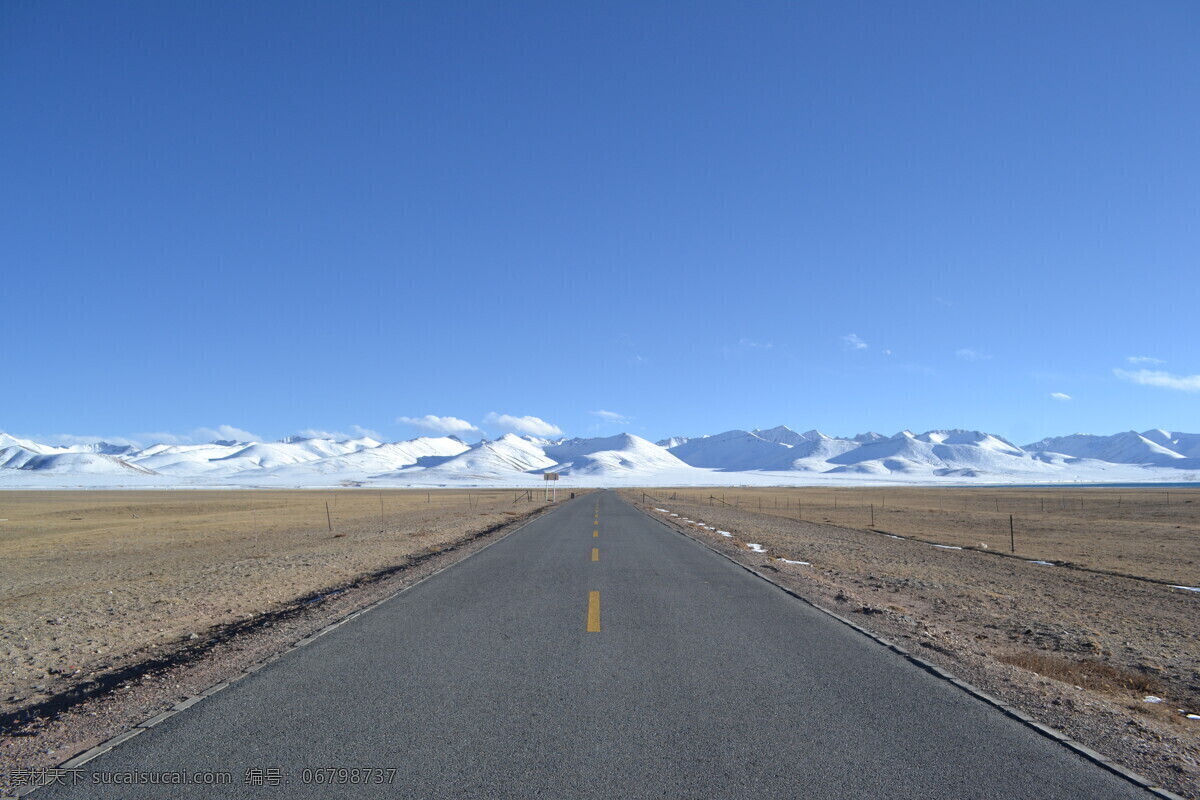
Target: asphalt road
596 654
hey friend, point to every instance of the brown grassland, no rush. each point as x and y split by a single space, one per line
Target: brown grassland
1077 643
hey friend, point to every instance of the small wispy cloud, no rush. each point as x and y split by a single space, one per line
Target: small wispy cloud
886 352
436 424
531 426
1163 380
610 416
1060 396
968 354
638 361
1143 360
852 342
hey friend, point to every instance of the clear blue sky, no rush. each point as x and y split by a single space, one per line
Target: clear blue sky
297 215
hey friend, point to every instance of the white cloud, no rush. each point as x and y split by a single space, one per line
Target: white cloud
444 425
1060 396
967 354
1143 360
531 426
223 432
853 342
610 416
1163 380
887 352
637 361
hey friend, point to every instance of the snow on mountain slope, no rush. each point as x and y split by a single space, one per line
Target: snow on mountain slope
1185 444
781 434
369 461
673 441
1129 447
81 464
185 459
103 448
15 457
734 450
321 448
266 456
7 441
812 454
937 452
489 459
624 454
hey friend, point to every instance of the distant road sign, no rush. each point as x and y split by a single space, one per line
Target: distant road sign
550 476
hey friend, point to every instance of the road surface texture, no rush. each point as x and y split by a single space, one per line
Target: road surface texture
594 653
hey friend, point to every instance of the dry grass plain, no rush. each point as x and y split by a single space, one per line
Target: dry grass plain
1076 648
1148 533
92 581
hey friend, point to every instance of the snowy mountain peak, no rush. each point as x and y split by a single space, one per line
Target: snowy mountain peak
781 434
775 455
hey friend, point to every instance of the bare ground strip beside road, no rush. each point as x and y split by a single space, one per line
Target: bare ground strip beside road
1077 650
117 605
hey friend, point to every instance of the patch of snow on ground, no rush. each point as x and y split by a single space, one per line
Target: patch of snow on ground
725 533
758 548
789 561
1193 716
1151 699
1043 563
1187 588
662 511
893 536
947 547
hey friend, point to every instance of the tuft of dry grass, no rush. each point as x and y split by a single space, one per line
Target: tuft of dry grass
1090 674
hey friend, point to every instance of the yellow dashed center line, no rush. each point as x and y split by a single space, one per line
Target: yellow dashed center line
595 554
593 618
595 534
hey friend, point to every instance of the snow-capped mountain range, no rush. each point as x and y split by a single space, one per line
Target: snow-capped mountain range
770 457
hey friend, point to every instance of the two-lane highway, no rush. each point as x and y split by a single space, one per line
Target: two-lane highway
595 653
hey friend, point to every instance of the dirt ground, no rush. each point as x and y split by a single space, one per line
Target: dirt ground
1077 643
114 605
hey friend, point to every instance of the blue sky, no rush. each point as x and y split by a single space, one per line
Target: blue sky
280 217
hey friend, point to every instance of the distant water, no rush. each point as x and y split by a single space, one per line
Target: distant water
1193 485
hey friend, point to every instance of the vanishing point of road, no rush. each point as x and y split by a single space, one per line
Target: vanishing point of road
595 654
